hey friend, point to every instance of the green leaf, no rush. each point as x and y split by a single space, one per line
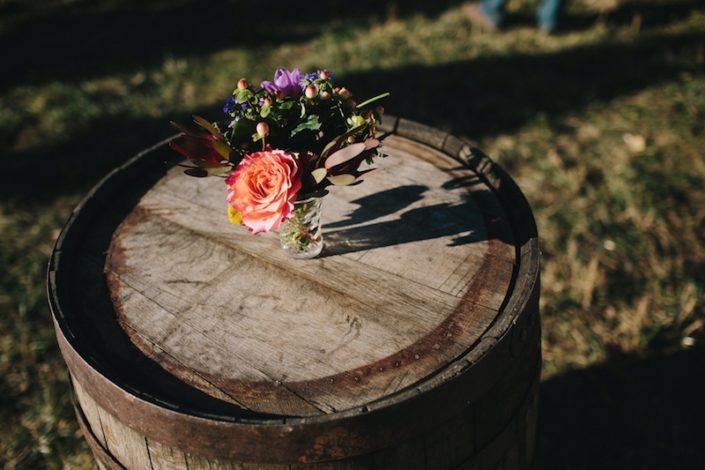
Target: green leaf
342 180
219 171
344 154
337 142
372 100
243 95
265 110
276 116
242 130
318 174
312 124
206 125
356 120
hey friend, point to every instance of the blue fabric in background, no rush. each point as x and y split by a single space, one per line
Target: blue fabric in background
546 13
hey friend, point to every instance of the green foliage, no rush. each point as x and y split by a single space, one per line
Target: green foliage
312 123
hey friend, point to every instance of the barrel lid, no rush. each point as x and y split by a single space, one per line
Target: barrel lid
176 305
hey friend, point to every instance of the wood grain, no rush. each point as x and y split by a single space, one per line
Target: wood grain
386 305
430 269
446 447
90 411
125 443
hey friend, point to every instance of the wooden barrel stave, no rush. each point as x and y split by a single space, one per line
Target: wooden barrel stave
507 413
510 339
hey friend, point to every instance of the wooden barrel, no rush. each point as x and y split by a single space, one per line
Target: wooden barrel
413 341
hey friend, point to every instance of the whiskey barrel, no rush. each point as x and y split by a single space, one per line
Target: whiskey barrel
413 341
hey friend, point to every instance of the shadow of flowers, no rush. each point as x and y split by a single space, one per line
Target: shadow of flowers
387 218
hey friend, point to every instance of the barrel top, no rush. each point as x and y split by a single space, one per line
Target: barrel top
417 263
429 277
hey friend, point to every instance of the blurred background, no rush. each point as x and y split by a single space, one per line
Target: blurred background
602 124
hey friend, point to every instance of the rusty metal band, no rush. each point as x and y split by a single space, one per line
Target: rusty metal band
355 435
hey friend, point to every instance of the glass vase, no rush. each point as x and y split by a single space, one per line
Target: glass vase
301 236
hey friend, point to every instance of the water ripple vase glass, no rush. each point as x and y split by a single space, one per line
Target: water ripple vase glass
301 236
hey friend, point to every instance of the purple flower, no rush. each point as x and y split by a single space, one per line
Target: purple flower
311 76
286 82
229 105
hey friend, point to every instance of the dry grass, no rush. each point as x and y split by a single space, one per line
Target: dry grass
602 126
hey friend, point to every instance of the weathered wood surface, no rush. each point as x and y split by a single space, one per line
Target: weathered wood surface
505 440
474 401
418 261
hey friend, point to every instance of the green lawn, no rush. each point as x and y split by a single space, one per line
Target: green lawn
602 126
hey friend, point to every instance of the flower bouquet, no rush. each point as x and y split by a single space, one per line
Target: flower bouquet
282 145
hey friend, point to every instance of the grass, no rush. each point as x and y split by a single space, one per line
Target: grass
603 127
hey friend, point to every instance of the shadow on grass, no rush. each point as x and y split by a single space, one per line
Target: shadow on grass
45 173
482 97
491 95
78 40
626 414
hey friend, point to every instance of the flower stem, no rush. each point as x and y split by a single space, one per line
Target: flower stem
373 99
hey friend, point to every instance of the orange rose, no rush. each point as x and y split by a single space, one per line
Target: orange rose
262 189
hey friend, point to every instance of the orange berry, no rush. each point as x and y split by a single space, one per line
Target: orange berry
345 93
262 129
310 92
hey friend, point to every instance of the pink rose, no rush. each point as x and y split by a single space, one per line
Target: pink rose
262 189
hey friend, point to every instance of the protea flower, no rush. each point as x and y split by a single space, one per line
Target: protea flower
203 144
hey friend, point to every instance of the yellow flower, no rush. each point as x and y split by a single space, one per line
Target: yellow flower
234 216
